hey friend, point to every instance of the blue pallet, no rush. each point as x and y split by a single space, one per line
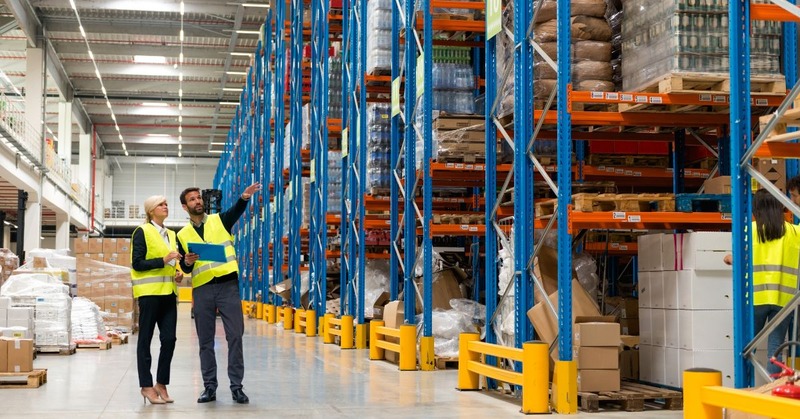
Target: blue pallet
689 202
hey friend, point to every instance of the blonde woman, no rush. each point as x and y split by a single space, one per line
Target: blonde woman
154 259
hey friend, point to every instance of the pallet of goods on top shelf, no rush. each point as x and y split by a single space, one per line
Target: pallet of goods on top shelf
627 160
587 202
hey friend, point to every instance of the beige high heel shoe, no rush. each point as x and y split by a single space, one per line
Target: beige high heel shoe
161 390
150 398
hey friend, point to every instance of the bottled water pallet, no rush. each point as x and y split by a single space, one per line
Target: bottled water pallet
632 397
689 202
56 349
33 379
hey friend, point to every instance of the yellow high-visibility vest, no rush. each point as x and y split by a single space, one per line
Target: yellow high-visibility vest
155 281
775 267
213 232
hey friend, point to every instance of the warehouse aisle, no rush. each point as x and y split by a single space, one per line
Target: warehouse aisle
287 375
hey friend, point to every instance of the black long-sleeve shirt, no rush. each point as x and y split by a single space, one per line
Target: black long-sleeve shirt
228 217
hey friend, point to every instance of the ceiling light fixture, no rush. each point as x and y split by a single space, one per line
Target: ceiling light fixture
261 5
158 135
180 83
246 32
229 103
215 151
236 73
161 104
96 71
241 54
149 59
232 89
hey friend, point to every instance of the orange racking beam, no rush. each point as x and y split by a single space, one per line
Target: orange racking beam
699 98
644 221
612 248
446 4
771 12
779 150
644 119
455 25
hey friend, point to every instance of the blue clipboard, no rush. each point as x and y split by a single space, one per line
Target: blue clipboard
208 252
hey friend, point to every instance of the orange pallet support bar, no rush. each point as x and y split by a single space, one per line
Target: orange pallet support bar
699 98
644 221
771 12
455 25
612 248
779 150
643 119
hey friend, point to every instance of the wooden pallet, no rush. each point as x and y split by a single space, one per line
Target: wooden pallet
579 107
627 160
703 202
56 349
631 398
33 379
446 363
545 208
103 346
446 16
586 202
710 83
121 339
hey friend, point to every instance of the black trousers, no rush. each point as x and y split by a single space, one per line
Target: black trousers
161 310
208 298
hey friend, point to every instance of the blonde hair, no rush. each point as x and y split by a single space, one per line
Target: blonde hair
151 203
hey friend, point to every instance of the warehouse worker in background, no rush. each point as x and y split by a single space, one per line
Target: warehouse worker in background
154 255
215 288
776 258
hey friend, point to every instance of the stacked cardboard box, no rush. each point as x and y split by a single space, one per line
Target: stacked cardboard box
108 250
596 350
685 306
16 355
108 286
8 263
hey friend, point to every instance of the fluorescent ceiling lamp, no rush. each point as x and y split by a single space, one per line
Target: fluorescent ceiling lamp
241 31
241 54
262 5
149 59
217 143
236 73
160 104
229 103
158 135
232 89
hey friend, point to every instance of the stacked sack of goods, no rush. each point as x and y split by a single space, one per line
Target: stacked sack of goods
592 34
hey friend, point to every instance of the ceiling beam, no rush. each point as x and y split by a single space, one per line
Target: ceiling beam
205 7
26 19
139 160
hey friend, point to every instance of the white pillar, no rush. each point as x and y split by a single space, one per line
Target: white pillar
62 230
7 237
33 226
34 85
65 131
85 160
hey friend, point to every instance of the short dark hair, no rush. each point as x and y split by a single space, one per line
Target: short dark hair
186 191
793 184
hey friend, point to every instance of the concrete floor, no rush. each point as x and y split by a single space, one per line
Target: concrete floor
286 375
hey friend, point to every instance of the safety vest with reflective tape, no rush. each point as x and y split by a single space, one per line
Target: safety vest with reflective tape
155 281
213 232
775 267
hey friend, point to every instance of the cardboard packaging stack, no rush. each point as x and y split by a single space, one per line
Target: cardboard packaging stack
16 355
685 306
113 251
106 284
8 263
596 349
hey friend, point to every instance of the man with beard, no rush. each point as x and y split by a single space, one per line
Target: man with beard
215 288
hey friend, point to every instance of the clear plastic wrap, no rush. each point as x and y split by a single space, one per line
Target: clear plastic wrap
109 286
50 300
447 326
379 141
661 38
504 321
334 182
56 262
8 263
376 275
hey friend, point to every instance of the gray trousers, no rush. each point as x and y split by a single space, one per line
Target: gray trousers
208 298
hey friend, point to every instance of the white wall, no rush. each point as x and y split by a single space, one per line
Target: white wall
137 181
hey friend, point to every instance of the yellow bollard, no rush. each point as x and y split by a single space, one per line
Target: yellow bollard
535 377
467 380
347 332
271 314
298 320
693 380
375 353
361 336
565 387
408 347
311 323
259 310
327 337
287 318
427 358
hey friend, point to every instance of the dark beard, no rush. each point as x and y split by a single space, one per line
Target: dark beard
193 211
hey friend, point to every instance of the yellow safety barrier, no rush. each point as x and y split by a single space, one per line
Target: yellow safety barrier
339 327
534 377
271 314
406 348
704 398
306 322
287 317
259 310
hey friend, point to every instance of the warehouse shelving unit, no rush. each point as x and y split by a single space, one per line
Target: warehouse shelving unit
267 75
279 122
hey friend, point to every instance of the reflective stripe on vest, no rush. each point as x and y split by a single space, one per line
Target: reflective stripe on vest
213 232
776 266
155 281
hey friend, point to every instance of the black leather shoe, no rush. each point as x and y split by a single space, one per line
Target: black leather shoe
240 397
208 395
